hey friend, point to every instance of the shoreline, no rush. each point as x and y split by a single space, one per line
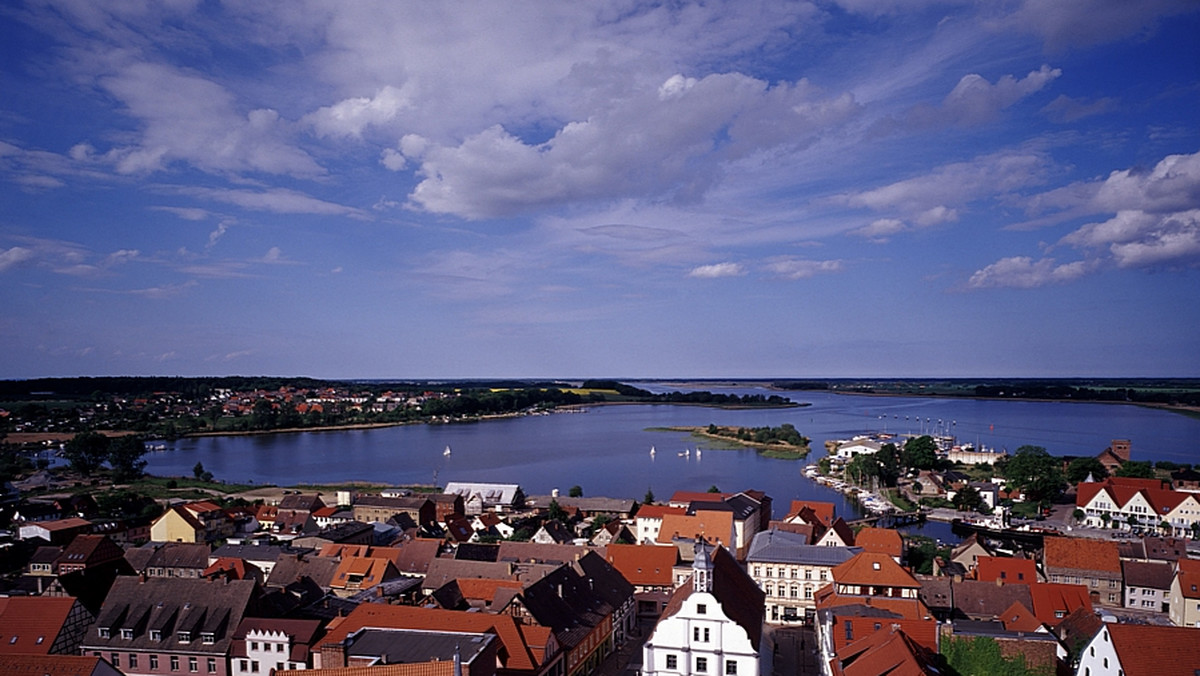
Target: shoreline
794 452
1189 411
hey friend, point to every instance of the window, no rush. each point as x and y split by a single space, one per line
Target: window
184 636
701 664
207 638
245 665
212 665
192 665
126 633
672 662
104 633
155 635
849 630
154 662
133 660
701 609
278 647
730 667
115 658
174 663
254 645
254 666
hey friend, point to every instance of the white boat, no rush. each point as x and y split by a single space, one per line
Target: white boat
685 453
697 454
446 452
651 451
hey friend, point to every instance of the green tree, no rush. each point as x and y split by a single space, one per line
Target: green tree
86 451
198 470
888 459
576 491
920 453
1135 470
967 499
1037 473
713 489
125 458
980 656
1079 515
555 512
648 499
1080 468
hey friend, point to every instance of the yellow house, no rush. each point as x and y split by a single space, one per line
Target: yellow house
1185 594
177 525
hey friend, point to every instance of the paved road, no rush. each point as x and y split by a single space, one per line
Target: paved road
792 652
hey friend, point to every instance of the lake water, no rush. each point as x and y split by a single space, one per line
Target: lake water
606 449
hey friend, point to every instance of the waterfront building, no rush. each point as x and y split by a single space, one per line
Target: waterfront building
1143 504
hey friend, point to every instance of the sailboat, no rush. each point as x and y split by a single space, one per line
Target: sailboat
446 452
651 451
697 453
685 453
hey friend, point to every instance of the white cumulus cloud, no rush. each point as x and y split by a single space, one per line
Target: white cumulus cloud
1024 273
716 270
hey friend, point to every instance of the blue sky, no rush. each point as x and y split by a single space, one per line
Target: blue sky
574 189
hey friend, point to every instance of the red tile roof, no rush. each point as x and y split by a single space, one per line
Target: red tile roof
1019 618
888 651
29 624
1081 554
824 511
874 569
1188 572
1149 650
54 665
644 565
1053 602
409 617
881 540
1006 568
713 526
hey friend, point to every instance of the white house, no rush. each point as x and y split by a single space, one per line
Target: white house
712 624
857 446
1120 649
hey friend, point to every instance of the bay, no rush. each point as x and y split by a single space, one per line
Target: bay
605 450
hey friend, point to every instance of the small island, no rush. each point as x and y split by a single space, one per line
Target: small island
782 442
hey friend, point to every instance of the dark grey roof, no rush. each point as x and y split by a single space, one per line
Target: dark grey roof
776 546
1149 574
290 568
996 629
743 506
179 555
408 646
171 605
255 552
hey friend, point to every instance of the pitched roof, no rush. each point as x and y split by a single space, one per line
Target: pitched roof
738 593
1188 572
1009 569
1019 618
1150 650
1053 602
29 624
1148 574
644 565
57 665
172 605
989 600
779 546
519 656
874 569
887 652
882 540
1081 554
823 511
710 525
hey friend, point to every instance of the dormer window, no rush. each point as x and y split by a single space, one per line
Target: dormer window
105 632
155 634
184 637
126 633
207 638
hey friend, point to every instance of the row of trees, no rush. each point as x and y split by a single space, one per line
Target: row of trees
88 451
784 434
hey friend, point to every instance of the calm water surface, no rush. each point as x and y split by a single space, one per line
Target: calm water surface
606 450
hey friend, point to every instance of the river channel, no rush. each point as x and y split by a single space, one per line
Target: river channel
606 449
